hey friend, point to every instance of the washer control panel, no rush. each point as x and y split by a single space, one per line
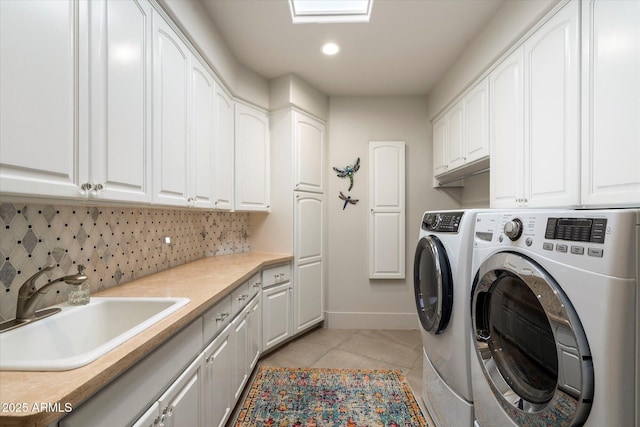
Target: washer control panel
444 222
590 230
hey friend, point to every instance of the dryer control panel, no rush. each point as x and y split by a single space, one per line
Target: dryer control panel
444 222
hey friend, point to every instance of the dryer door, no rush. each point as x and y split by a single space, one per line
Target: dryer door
433 284
530 343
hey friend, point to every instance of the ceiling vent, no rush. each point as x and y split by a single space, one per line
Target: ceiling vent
329 11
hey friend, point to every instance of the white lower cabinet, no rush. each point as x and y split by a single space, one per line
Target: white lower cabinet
240 343
218 357
150 418
277 325
183 404
254 327
206 391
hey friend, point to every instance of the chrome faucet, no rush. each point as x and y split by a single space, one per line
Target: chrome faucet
29 296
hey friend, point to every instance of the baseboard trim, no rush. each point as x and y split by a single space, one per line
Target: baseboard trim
353 320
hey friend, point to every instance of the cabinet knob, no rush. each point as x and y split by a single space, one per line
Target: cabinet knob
256 285
220 317
85 188
97 189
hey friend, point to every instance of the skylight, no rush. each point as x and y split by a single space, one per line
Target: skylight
330 11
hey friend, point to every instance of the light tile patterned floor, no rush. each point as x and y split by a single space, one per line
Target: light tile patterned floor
355 349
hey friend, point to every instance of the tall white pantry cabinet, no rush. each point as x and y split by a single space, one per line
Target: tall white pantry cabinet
296 222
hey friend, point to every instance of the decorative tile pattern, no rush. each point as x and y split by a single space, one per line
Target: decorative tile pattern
116 245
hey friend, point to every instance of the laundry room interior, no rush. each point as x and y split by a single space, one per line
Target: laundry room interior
319 213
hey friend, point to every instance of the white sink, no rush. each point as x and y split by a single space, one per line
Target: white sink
80 334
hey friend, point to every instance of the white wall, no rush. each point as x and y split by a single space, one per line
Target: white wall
354 301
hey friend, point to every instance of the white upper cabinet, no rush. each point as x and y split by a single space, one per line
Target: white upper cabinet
40 140
184 128
170 134
611 103
202 127
308 153
252 181
120 102
387 205
552 112
476 122
461 134
506 130
439 146
534 119
223 150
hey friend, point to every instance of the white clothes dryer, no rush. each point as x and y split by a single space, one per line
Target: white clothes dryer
554 314
442 288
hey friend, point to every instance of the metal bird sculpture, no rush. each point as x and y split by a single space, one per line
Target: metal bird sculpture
348 171
347 200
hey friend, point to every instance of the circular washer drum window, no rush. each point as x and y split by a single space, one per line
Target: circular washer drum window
530 343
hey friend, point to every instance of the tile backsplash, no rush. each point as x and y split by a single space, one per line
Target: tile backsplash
115 245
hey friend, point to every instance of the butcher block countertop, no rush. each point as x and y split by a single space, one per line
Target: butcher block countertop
40 398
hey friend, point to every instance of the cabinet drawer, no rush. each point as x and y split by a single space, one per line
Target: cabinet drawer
216 318
274 275
239 298
254 285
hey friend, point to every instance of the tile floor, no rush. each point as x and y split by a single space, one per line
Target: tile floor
355 349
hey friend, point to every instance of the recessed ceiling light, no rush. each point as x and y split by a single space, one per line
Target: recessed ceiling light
330 11
330 48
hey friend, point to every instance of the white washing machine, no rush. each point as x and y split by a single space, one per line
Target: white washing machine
442 288
554 315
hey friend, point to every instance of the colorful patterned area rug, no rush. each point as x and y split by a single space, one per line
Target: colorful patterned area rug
311 397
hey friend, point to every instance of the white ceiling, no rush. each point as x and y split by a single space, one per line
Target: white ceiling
404 50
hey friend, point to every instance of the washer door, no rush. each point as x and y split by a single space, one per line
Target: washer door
530 343
433 284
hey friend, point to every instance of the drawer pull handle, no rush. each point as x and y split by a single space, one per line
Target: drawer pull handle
242 297
220 317
256 285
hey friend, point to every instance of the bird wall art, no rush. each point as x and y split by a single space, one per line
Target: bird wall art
348 171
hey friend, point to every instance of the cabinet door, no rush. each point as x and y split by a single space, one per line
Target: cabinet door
182 404
276 315
476 122
387 205
40 143
223 150
251 159
151 418
240 341
308 153
203 97
439 146
455 137
170 138
552 114
218 359
309 295
611 103
120 101
506 130
254 321
308 255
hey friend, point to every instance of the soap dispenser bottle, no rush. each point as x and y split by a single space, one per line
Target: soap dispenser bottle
80 292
